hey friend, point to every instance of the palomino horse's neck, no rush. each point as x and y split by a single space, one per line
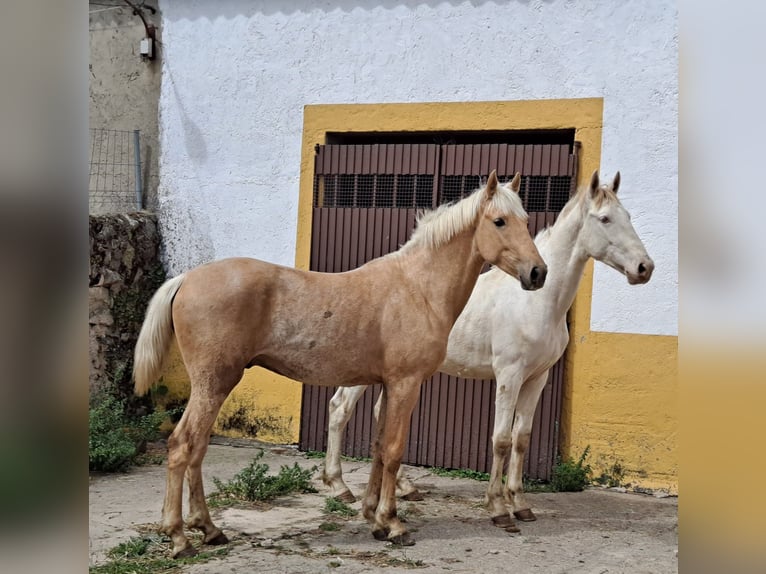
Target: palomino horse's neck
446 274
562 250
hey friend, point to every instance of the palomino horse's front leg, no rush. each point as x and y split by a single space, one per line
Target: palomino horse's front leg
341 408
522 429
407 490
508 384
393 426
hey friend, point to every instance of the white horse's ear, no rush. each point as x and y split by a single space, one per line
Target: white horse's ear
594 183
616 182
516 182
492 184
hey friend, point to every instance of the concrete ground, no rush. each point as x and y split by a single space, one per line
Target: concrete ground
595 531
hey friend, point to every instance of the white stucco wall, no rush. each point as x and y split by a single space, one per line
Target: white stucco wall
236 75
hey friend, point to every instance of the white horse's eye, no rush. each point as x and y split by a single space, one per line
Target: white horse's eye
499 222
603 219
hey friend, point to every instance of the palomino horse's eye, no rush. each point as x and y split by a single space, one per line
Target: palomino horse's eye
603 219
499 222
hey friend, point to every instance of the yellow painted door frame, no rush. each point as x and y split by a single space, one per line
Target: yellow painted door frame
584 115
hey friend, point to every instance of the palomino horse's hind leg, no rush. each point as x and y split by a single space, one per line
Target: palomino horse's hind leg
372 493
199 516
186 449
172 519
522 430
395 415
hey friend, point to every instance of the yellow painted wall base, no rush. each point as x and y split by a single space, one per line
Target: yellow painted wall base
621 399
263 405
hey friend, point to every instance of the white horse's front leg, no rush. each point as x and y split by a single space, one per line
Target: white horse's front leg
522 429
508 384
341 408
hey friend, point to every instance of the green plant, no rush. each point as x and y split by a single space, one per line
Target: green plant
253 484
110 448
335 506
612 476
571 476
460 473
536 485
314 454
136 546
144 555
114 438
329 527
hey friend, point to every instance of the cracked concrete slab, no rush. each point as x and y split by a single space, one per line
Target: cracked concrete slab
596 531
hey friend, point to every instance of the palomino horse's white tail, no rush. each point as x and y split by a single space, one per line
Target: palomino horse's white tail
155 336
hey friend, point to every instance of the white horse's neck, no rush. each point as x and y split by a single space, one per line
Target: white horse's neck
562 249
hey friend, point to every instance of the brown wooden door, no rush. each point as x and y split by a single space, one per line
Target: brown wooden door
365 202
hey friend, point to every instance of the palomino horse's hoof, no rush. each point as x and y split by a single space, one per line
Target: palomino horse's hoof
413 496
505 522
380 534
346 496
403 539
218 540
186 552
525 515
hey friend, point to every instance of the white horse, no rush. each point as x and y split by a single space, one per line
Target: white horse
516 336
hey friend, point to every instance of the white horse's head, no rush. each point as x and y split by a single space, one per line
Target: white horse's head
608 235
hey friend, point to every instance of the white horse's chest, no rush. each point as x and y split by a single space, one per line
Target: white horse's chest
542 348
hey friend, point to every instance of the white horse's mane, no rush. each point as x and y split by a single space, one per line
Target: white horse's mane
605 194
436 227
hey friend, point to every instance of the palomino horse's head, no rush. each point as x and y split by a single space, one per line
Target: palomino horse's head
608 235
502 237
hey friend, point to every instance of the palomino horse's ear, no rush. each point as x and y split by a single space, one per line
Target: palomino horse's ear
516 182
594 182
616 182
492 183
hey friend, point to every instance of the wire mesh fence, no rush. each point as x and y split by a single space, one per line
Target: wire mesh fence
115 171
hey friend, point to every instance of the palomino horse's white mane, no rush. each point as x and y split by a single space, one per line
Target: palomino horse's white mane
604 195
437 226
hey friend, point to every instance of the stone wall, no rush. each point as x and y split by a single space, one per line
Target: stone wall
125 271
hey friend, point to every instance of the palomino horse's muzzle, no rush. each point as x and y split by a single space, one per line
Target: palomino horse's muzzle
534 278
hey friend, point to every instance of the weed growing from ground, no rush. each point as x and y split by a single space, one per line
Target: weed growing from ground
136 546
535 485
314 454
335 506
612 476
253 484
114 438
460 473
571 476
143 555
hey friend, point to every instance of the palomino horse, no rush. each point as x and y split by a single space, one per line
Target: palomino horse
386 322
516 337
